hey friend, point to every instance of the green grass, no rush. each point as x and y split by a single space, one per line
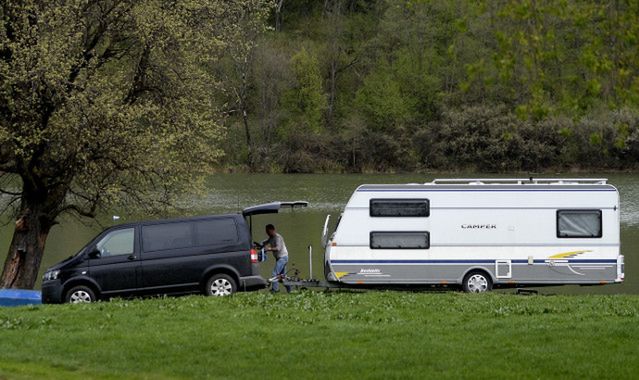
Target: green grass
329 335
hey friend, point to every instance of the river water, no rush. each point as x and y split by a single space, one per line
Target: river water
327 194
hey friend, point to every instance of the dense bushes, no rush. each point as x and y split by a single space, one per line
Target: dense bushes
484 138
492 139
489 138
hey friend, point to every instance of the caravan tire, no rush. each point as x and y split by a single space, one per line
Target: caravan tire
477 281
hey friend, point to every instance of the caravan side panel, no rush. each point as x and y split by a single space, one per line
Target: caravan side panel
508 231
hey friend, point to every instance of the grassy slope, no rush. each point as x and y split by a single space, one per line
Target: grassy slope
312 334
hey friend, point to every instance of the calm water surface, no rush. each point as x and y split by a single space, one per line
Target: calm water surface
327 194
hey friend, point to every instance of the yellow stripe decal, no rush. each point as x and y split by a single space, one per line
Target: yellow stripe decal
340 274
567 255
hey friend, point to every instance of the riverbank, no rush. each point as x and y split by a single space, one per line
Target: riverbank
315 334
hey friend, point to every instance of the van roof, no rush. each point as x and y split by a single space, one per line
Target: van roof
174 220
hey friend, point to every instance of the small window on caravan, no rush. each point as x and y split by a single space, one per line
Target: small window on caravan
400 240
400 207
579 224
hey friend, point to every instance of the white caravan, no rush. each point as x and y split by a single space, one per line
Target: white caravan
478 233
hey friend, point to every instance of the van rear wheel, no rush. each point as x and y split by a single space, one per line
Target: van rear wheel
80 294
220 285
477 281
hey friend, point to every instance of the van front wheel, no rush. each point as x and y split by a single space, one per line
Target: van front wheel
477 281
220 285
80 294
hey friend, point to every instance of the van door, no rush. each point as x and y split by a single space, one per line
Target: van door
220 239
116 267
166 249
176 254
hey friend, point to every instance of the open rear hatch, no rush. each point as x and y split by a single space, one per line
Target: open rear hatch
270 208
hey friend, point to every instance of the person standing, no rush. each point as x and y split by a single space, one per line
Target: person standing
275 243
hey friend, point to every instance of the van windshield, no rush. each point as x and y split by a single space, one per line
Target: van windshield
90 243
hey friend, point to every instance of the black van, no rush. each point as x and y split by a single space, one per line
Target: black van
209 254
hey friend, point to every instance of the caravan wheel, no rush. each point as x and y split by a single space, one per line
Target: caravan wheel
477 281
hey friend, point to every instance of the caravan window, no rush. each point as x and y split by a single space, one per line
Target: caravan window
579 224
400 240
400 207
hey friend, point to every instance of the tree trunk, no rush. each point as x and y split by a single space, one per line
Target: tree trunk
27 247
249 143
332 90
278 16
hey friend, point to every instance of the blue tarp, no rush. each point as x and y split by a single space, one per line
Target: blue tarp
19 297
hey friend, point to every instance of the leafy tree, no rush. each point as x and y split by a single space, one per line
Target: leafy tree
272 79
381 100
239 57
306 101
392 69
567 57
103 103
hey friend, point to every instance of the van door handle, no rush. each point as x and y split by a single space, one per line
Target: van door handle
131 257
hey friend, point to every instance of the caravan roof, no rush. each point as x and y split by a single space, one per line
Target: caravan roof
497 184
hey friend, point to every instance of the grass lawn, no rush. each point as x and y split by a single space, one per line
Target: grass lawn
326 335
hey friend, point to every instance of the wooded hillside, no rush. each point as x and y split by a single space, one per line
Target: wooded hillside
355 85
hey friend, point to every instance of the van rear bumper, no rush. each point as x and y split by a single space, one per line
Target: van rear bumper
252 282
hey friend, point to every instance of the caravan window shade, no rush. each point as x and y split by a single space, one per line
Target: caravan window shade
399 207
400 240
579 224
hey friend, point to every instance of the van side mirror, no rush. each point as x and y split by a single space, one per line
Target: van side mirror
94 253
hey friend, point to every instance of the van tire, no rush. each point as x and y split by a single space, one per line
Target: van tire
80 294
220 285
477 281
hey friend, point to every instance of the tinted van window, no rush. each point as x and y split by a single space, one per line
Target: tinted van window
215 231
160 237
